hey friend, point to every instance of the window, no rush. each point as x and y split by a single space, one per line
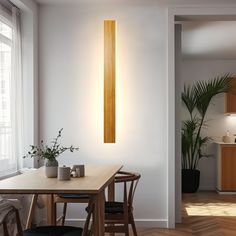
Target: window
9 94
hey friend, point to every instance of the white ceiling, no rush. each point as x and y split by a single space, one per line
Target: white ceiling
209 40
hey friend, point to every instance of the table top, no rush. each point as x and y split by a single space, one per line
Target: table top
96 178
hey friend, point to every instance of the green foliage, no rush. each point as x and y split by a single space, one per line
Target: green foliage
196 99
49 152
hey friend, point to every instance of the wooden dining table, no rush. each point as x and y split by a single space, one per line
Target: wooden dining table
96 180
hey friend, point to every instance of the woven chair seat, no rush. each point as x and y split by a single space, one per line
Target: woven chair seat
114 207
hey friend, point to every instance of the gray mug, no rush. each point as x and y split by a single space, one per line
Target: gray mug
63 173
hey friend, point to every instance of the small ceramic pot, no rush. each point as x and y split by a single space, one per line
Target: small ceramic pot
227 139
51 168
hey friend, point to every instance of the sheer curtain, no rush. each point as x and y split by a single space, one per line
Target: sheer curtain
17 89
11 102
11 107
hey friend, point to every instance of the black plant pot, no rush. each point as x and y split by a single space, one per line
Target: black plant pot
190 180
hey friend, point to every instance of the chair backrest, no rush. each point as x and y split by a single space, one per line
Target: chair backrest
131 179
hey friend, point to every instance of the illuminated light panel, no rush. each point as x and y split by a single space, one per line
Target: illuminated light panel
109 81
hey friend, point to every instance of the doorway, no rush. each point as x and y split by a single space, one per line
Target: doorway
174 166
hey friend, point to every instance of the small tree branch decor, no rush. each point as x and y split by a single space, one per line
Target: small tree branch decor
49 152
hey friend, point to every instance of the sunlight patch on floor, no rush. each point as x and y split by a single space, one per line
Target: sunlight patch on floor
211 209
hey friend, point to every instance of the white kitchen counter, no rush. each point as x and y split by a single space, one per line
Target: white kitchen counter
222 143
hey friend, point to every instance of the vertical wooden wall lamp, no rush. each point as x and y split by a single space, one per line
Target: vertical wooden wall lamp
109 81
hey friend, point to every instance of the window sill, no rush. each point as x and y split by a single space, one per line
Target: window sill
10 175
19 172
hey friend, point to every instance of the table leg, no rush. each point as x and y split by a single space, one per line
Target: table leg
51 210
31 211
111 191
99 201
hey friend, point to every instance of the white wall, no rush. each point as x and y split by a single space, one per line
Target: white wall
178 70
218 123
71 93
30 75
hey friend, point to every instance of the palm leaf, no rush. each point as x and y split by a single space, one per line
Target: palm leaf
196 99
206 90
189 98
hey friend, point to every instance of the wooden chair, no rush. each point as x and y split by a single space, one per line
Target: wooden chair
52 230
65 199
118 215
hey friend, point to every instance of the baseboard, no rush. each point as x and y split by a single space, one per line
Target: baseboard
205 188
149 223
226 193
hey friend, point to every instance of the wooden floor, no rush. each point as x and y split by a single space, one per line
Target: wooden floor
204 214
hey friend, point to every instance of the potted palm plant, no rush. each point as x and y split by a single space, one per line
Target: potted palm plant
196 100
49 154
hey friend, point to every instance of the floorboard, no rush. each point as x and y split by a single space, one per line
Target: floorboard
203 214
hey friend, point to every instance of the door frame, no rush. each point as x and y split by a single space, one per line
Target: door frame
184 13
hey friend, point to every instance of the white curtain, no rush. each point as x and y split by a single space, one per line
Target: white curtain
17 89
11 107
11 104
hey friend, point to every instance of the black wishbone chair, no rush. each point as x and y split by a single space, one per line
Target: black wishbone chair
118 215
50 230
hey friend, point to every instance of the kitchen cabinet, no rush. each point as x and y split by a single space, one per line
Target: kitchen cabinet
226 167
230 99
